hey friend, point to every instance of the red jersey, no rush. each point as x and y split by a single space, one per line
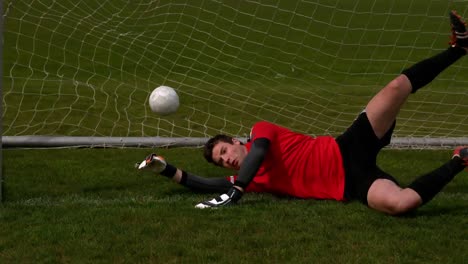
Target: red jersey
298 165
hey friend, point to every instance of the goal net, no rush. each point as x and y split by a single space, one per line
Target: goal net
87 68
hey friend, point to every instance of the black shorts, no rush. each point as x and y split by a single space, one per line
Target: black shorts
359 148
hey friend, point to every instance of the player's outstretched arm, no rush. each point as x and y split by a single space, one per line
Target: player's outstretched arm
158 165
247 172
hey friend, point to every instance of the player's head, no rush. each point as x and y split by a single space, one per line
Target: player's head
225 151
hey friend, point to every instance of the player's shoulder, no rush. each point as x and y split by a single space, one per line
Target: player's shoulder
264 129
263 123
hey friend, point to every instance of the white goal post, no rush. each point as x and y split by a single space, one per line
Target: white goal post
76 70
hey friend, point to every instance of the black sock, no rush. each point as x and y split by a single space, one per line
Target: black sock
428 185
425 71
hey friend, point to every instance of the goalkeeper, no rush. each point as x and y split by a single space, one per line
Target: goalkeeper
278 161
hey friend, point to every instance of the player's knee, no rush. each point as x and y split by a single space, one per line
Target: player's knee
398 208
385 196
401 205
401 84
395 205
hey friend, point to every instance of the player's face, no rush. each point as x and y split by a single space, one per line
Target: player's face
229 155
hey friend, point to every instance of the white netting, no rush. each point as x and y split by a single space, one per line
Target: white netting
86 68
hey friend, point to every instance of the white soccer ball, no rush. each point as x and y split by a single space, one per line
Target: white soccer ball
164 100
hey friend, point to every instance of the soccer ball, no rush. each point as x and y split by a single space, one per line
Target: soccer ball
164 100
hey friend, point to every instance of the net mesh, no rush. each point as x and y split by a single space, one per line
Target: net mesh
87 68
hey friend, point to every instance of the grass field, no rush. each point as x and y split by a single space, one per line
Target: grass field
86 68
91 206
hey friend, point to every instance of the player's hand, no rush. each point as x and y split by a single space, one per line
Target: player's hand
152 163
225 199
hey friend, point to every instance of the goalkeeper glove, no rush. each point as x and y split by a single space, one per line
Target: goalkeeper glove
152 163
225 199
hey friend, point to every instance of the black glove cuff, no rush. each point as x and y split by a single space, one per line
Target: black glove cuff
235 194
183 180
240 184
169 171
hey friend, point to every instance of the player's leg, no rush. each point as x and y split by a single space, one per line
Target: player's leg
385 106
386 196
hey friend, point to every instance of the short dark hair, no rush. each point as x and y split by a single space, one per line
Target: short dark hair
209 145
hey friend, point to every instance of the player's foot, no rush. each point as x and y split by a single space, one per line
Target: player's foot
462 153
459 36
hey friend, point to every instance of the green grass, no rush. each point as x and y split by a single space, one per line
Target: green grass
91 206
86 68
